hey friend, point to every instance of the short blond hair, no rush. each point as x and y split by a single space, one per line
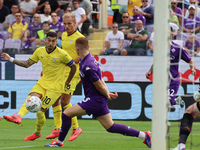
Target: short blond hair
82 43
69 15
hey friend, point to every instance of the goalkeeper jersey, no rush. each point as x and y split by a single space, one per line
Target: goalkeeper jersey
53 66
68 44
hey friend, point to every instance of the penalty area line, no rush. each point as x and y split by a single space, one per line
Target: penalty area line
16 147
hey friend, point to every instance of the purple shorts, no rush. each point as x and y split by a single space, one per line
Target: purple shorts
94 107
173 89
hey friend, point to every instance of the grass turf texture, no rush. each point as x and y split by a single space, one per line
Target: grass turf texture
94 136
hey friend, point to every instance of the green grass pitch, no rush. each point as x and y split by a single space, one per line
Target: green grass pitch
94 136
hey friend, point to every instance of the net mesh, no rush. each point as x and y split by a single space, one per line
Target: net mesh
187 37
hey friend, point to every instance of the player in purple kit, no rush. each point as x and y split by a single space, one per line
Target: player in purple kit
95 102
175 57
57 26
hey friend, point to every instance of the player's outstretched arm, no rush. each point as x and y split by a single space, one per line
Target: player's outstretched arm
21 63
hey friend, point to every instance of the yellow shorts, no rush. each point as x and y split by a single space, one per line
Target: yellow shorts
48 97
70 89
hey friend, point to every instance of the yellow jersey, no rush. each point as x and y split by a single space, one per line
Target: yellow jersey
53 66
17 29
68 44
133 3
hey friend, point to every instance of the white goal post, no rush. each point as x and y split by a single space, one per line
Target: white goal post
160 74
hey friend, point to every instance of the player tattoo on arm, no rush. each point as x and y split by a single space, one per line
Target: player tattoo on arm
23 63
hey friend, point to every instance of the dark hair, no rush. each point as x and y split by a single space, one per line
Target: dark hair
125 13
45 22
82 43
52 34
75 1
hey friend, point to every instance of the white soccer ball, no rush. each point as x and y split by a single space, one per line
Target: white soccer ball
196 96
33 104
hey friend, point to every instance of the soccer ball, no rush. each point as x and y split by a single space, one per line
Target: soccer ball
196 96
33 104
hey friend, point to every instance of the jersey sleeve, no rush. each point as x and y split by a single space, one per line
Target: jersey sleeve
34 57
66 58
25 26
91 74
10 29
185 56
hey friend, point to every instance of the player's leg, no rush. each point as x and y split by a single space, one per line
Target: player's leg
48 100
110 126
16 118
57 112
173 90
65 102
192 112
67 116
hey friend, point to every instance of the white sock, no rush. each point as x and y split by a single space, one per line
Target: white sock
180 146
61 142
141 135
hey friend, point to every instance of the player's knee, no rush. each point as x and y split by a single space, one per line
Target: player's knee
56 103
43 110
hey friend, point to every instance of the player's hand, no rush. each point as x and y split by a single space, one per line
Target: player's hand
115 51
193 72
148 74
112 95
5 56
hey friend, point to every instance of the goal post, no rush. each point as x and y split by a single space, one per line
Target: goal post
160 74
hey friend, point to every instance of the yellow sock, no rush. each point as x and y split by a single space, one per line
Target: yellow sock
23 111
40 121
57 112
74 119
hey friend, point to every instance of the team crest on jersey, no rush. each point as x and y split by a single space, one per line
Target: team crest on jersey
173 50
71 41
54 59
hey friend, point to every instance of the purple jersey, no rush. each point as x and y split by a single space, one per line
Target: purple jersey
189 45
58 27
139 17
178 11
90 72
189 23
34 28
175 51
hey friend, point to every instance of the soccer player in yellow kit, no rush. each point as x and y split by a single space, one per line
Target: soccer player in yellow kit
69 38
51 85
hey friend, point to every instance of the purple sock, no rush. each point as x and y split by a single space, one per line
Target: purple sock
66 124
123 129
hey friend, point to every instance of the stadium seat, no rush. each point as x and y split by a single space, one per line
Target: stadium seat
4 35
182 36
1 44
198 36
60 13
1 27
96 46
150 28
27 19
13 44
